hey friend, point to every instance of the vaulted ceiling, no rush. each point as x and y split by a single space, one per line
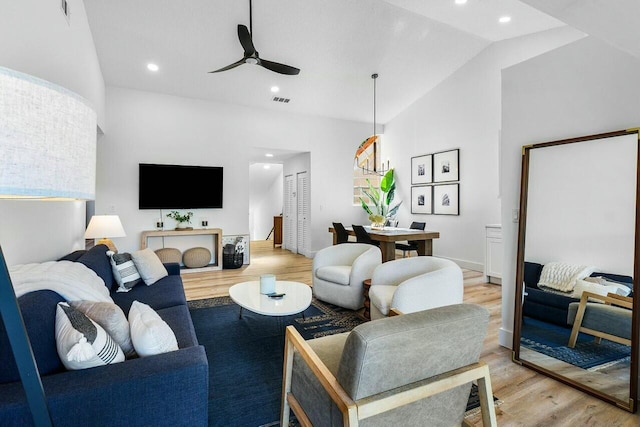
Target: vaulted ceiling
412 44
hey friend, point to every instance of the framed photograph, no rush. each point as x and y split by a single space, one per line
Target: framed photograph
422 169
421 199
446 166
446 199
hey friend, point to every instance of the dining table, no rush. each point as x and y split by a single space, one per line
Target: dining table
388 236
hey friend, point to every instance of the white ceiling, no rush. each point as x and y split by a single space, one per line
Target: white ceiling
480 17
412 44
615 21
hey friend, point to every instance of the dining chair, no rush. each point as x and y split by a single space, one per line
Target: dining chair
362 236
341 233
411 245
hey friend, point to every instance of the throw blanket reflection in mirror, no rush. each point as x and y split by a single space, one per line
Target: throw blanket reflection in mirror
560 276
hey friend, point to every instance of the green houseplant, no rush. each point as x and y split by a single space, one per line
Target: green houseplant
181 219
382 199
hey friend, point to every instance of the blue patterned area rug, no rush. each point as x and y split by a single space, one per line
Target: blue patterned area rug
246 355
551 340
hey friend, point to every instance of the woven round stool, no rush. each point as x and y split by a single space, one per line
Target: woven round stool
169 255
196 257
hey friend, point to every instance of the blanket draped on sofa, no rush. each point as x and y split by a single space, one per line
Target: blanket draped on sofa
71 280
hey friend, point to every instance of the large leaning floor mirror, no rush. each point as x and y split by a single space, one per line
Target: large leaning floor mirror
576 310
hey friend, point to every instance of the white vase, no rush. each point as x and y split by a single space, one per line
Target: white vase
181 225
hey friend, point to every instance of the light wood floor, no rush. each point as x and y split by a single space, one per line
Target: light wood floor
530 399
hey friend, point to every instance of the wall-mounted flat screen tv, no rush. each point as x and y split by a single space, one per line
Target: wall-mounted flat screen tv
180 187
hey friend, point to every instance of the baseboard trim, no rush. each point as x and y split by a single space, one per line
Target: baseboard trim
469 265
505 338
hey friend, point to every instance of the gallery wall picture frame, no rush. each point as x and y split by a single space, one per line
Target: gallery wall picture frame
422 199
446 166
446 199
422 169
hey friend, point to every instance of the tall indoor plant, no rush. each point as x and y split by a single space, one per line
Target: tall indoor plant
381 198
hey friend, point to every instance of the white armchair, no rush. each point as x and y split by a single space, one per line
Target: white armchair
338 272
415 284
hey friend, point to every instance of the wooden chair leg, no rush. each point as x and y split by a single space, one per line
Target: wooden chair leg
286 382
577 323
486 400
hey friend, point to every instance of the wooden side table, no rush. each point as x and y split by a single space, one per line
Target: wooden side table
367 302
277 230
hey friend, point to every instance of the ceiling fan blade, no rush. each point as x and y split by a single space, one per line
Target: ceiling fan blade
245 41
279 68
229 67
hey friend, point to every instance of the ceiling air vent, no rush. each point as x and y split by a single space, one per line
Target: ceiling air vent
279 99
64 5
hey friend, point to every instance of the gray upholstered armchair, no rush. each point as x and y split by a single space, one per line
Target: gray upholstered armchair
609 318
338 272
409 370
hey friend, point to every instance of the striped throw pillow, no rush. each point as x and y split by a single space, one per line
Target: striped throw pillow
82 343
124 271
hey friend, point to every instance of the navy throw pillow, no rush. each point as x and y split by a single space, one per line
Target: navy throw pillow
532 272
39 313
73 256
96 259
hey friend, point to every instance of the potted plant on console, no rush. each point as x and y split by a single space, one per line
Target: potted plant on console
181 219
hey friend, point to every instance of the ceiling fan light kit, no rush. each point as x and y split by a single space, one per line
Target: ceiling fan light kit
251 55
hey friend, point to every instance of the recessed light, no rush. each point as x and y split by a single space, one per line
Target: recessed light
275 89
504 19
267 166
461 1
268 155
152 67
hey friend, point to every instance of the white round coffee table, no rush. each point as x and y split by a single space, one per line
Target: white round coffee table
296 299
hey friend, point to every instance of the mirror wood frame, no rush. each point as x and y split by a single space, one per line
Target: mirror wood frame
631 404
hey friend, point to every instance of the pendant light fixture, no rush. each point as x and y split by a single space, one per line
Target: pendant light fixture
372 141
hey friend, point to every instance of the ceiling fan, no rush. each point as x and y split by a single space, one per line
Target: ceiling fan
251 54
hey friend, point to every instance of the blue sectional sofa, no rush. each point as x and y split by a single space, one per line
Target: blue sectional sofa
169 389
551 307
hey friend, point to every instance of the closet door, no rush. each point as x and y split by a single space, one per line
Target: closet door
303 213
289 226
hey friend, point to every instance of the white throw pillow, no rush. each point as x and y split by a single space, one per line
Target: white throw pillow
596 288
111 318
81 342
621 289
149 333
149 266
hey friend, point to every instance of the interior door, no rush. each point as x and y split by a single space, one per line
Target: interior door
303 212
289 226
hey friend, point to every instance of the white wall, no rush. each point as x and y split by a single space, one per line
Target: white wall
37 40
581 89
37 231
581 204
265 198
155 128
463 112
